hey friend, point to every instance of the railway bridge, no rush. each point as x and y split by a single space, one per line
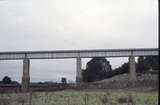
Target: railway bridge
78 55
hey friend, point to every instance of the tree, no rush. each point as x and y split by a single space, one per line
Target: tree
64 80
97 69
121 70
142 65
153 62
146 63
6 80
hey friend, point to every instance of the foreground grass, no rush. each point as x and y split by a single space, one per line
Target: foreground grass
96 97
71 97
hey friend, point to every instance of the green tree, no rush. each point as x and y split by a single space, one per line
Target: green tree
63 80
97 69
142 65
152 62
146 63
6 80
121 70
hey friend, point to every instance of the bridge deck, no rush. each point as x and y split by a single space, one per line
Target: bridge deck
61 54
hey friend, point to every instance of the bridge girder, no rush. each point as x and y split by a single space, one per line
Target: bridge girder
77 53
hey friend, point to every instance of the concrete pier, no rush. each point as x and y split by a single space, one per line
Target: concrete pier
25 76
132 68
79 70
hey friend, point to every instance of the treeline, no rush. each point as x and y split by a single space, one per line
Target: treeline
8 81
100 68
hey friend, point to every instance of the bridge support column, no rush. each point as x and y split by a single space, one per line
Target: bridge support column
132 68
25 76
79 71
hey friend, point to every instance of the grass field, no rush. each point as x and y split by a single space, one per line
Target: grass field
74 97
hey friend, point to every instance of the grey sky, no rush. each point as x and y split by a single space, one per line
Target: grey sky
73 24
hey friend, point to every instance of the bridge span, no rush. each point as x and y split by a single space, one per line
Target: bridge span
78 54
61 54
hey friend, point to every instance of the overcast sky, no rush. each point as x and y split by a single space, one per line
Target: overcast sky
73 24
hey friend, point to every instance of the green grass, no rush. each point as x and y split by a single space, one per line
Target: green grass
95 97
71 97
